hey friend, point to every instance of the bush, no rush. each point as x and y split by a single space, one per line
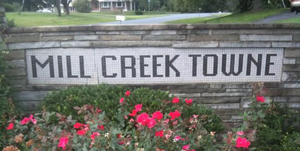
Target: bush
279 125
8 7
107 97
138 12
82 6
7 108
11 23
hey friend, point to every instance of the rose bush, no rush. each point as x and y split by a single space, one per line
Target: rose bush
144 130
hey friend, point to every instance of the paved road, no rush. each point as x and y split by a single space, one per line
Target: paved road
278 17
159 20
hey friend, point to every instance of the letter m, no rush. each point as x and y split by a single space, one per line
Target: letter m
35 62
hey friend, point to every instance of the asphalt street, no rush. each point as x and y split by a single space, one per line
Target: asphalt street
278 17
159 20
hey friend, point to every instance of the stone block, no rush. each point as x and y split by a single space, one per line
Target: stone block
213 38
234 117
290 76
68 33
16 63
289 61
30 95
108 33
285 44
215 86
195 44
225 94
266 37
2 9
280 99
107 44
294 99
291 92
238 90
75 44
29 106
14 72
294 105
163 32
291 53
18 81
164 37
14 54
296 37
33 45
57 38
291 85
236 86
224 106
20 38
298 61
187 95
51 29
46 87
120 37
86 37
182 32
134 32
217 100
291 68
254 31
12 30
246 44
271 84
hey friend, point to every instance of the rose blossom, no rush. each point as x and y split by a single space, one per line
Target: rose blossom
177 138
175 100
151 122
94 135
159 133
157 115
186 147
127 93
242 142
260 98
26 120
77 125
121 100
133 113
240 133
63 142
174 114
189 101
138 107
10 126
142 118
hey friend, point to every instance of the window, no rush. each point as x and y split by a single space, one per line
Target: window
96 4
119 4
105 4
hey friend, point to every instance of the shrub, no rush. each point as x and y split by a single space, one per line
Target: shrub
107 98
8 7
11 23
82 6
7 108
144 130
138 12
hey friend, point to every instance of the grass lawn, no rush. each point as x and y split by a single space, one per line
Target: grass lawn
27 19
195 20
291 20
247 17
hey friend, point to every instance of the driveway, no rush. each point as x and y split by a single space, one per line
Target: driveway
159 20
278 17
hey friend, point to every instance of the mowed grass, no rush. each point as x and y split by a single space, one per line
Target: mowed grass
291 20
196 20
247 17
27 19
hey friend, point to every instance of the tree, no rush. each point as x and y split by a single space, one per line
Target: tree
66 4
82 6
57 4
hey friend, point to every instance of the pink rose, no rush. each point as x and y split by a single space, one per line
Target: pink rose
174 114
260 98
189 101
63 142
242 142
175 100
151 122
157 115
138 107
10 126
142 118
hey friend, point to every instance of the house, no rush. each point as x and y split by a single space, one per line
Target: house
112 5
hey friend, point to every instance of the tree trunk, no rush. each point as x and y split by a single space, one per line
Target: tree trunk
21 7
257 4
66 6
58 7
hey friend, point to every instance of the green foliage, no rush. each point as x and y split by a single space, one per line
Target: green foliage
279 126
7 108
10 23
8 7
106 97
138 12
82 6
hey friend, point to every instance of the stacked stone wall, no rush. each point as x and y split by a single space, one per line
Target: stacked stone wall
227 98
